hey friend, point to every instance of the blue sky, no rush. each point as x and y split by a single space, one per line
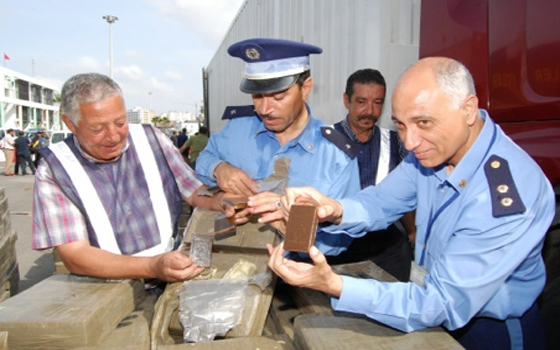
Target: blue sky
159 46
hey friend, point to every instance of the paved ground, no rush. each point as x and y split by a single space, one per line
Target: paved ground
33 266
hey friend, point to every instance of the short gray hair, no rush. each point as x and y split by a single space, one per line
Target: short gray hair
455 81
86 88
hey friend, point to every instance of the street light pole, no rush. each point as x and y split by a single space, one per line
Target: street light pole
110 19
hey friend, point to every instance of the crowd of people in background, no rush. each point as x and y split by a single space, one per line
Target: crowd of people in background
22 150
190 147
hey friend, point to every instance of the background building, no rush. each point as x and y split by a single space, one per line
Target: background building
139 115
27 102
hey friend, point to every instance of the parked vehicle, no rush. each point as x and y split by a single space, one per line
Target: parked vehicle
57 136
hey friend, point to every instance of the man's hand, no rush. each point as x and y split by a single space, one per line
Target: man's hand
83 259
234 180
235 208
318 276
174 267
329 210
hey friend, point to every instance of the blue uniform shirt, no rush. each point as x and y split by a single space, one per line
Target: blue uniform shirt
245 143
478 264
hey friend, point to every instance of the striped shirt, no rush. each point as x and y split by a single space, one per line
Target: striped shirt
372 152
57 220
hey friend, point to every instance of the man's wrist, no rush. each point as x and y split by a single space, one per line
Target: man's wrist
216 168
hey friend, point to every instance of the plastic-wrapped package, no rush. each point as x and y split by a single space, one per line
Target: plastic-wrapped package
210 308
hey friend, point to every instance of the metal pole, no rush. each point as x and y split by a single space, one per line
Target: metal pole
110 19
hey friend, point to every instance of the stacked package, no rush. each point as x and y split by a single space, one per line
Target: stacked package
73 312
9 272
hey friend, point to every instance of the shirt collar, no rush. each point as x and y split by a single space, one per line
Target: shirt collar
475 156
306 139
350 133
95 160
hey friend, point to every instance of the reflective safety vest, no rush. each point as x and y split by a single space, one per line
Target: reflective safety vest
131 205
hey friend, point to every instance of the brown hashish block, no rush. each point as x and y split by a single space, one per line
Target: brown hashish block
238 202
302 228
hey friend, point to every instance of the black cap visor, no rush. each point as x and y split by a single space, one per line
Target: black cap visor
267 86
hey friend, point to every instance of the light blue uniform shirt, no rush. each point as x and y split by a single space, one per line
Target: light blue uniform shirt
478 264
244 142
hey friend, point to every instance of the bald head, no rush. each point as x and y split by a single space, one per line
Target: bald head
451 77
435 109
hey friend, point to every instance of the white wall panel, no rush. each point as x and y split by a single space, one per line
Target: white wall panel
354 34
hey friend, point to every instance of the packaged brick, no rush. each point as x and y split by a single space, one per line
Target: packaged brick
68 311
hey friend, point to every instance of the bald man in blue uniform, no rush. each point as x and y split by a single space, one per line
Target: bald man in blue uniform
483 207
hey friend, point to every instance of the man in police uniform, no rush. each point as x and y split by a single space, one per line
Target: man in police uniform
279 125
483 207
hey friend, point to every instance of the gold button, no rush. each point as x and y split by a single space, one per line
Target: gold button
506 202
462 183
495 164
502 188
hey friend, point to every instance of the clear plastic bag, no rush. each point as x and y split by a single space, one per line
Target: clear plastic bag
210 308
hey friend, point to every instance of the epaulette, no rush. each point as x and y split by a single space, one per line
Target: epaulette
232 112
341 141
503 192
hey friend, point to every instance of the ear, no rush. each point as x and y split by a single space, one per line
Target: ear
306 88
346 99
470 107
69 124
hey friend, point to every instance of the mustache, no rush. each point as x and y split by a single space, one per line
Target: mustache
368 116
267 116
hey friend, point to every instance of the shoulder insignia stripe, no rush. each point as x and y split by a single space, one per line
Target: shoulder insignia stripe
341 141
232 112
503 192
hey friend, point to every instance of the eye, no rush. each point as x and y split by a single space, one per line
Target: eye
398 124
424 123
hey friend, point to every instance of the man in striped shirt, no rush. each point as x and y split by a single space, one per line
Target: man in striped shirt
109 196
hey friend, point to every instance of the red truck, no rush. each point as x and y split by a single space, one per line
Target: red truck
512 48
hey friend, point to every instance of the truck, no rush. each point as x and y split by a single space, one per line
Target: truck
511 47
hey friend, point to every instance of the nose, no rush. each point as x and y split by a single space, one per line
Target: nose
369 108
112 134
410 138
264 106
